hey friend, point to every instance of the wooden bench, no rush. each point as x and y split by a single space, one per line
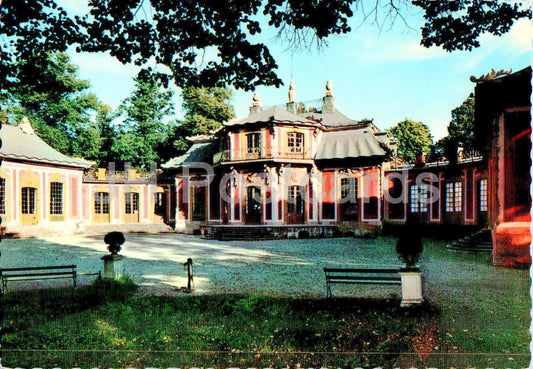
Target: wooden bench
360 276
37 273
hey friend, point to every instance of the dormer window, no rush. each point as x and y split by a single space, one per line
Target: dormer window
253 142
295 142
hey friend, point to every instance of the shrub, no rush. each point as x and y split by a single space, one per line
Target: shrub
409 246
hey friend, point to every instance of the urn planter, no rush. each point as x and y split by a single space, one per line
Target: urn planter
113 265
411 286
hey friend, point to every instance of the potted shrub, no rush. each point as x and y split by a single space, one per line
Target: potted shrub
409 248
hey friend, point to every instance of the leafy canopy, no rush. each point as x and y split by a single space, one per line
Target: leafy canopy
206 108
143 133
413 138
215 43
57 102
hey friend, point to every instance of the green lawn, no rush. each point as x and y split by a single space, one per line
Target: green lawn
120 328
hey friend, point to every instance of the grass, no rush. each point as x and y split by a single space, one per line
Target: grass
56 327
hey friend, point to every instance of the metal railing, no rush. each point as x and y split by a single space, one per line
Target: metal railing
227 156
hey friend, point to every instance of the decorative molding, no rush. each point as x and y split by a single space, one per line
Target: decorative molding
490 76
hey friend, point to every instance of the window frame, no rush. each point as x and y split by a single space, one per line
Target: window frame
453 197
483 195
131 203
101 199
295 142
56 198
3 194
28 201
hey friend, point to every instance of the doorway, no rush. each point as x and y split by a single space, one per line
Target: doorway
29 206
295 205
253 214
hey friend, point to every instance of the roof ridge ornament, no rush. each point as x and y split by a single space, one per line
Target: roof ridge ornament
292 92
329 88
256 105
25 126
255 99
490 76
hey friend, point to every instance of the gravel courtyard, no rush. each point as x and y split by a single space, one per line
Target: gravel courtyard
476 299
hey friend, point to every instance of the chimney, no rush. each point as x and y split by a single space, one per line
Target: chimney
328 101
460 154
291 105
256 105
421 159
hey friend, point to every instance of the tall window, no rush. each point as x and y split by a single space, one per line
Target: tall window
28 200
253 141
295 143
56 198
101 203
349 190
483 199
419 198
2 196
131 203
160 203
454 197
295 200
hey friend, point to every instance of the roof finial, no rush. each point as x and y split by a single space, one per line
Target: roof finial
256 105
255 100
25 126
329 87
292 92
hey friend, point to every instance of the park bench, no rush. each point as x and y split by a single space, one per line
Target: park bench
37 273
360 276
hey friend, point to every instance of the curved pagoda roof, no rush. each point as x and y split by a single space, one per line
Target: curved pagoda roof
271 115
349 143
21 143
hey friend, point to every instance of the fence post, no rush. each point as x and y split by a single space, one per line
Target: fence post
190 276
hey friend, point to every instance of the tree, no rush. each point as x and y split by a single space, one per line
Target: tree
143 132
413 138
181 32
50 93
206 108
461 127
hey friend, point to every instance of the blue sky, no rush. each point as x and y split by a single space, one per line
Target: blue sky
383 75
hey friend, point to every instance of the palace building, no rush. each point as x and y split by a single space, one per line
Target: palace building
279 167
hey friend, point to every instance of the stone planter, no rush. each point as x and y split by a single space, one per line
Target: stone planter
411 287
113 266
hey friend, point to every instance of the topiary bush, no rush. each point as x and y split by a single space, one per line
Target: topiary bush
409 246
114 240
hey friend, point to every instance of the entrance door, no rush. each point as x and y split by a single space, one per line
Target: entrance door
131 207
253 213
199 200
295 205
101 207
29 205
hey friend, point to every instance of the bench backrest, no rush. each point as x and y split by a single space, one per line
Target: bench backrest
29 269
361 270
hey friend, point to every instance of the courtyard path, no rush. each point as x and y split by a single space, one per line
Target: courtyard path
477 300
